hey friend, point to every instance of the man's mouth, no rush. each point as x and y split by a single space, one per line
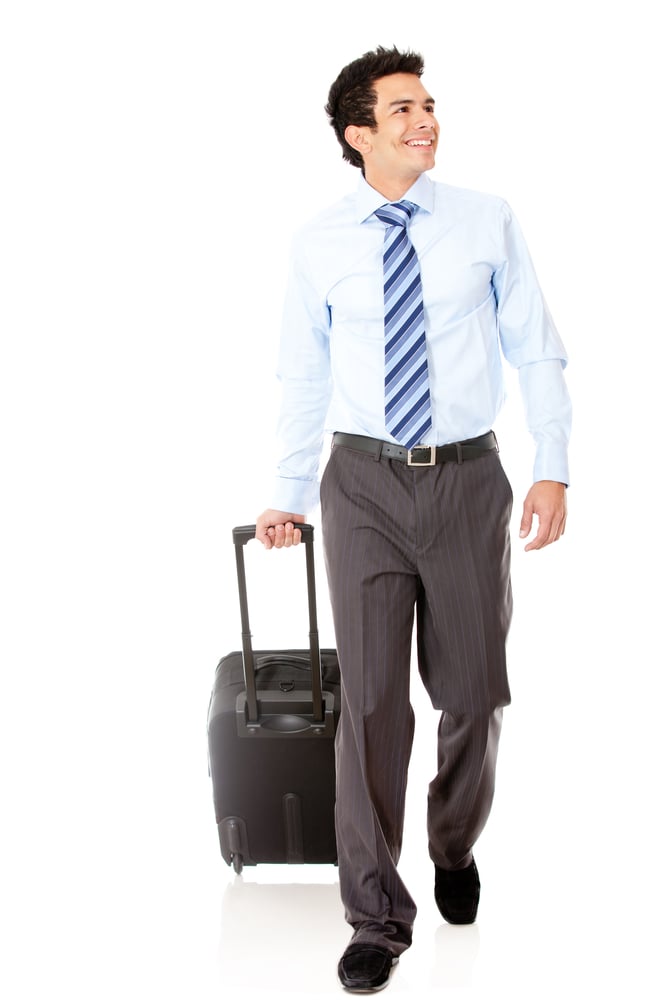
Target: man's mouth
419 142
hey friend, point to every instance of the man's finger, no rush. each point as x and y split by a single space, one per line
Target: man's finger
549 531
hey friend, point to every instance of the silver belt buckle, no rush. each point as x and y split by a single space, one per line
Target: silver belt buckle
430 448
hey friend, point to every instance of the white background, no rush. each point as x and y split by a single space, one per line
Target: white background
156 157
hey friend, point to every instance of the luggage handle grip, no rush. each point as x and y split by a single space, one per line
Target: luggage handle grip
246 532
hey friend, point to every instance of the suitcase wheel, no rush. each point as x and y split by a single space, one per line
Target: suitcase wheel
234 842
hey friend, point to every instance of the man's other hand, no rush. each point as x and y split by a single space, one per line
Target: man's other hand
546 499
278 529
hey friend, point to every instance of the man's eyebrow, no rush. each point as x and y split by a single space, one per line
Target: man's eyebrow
408 100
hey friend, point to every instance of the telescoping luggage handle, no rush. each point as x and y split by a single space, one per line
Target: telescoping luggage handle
244 534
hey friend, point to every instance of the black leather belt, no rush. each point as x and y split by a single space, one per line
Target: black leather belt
422 455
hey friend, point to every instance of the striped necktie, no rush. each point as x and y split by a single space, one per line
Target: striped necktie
407 400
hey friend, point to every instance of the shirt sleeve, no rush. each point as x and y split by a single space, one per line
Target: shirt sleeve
304 372
531 343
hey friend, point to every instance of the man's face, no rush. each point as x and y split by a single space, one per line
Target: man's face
404 143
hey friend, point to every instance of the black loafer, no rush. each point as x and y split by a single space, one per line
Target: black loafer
457 894
365 968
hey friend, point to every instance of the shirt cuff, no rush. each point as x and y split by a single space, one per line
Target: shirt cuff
295 496
551 463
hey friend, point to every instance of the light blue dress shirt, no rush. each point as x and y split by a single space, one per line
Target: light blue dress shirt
481 297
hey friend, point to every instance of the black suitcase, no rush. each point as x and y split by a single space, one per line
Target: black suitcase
272 719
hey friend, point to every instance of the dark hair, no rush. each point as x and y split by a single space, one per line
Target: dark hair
352 96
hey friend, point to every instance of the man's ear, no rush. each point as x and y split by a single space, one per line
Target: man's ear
358 137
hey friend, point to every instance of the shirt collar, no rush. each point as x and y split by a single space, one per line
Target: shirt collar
422 193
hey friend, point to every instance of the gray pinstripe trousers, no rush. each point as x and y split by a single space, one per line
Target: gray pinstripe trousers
399 540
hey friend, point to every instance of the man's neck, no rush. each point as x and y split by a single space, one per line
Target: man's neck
391 188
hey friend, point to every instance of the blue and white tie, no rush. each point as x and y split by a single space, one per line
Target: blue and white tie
407 399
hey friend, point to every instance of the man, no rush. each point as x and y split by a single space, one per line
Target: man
400 301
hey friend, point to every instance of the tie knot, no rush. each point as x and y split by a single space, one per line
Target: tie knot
396 213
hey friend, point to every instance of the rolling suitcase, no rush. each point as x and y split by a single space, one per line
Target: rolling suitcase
272 719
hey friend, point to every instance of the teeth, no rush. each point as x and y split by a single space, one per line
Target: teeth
420 142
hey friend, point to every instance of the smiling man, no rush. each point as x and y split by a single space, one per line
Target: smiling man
402 143
401 302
